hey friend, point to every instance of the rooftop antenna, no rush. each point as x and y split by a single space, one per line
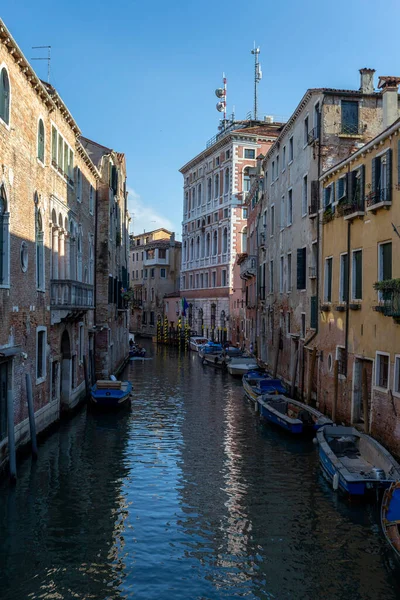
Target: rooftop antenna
48 58
221 105
257 76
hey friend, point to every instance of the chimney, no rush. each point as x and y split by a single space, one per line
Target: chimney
389 86
367 81
172 240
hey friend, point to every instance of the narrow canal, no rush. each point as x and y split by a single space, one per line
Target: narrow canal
185 496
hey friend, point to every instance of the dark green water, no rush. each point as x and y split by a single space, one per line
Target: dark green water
185 496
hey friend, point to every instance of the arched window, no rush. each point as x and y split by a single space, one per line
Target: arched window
215 243
225 240
246 180
198 247
208 244
39 252
216 186
209 190
226 181
40 141
191 249
4 238
193 198
199 195
4 96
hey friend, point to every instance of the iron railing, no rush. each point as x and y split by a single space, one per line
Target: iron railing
313 135
352 129
391 303
377 196
71 295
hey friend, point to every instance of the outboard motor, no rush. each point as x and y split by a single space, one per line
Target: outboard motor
378 473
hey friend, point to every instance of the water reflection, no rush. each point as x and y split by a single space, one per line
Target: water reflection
187 495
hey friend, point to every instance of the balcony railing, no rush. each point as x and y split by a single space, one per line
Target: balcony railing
352 129
381 197
71 295
150 262
248 267
313 136
390 303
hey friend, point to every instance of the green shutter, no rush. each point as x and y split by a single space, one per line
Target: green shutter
374 183
357 282
389 175
362 187
386 250
301 268
329 282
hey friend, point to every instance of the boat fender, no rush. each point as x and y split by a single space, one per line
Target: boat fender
335 483
315 441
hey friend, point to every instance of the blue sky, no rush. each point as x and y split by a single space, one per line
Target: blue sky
140 76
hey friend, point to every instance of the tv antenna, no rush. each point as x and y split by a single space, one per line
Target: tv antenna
221 105
257 76
48 58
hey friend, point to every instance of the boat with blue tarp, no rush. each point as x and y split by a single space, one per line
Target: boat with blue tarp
390 517
110 394
256 383
354 462
291 415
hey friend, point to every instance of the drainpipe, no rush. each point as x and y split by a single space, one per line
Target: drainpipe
318 245
346 341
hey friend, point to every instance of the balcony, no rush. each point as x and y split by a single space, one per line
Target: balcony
351 210
248 268
380 198
352 130
389 298
71 295
313 136
151 262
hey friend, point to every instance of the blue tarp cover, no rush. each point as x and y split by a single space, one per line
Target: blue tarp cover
393 514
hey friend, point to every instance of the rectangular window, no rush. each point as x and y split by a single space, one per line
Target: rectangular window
197 280
272 220
306 131
271 276
249 153
328 279
273 172
385 261
277 166
341 189
91 200
223 277
284 159
282 223
382 370
137 274
291 152
184 282
71 167
81 343
225 213
213 279
290 208
60 154
78 185
217 161
66 154
163 273
151 318
41 353
289 272
201 280
344 269
349 117
304 197
301 268
356 275
206 280
281 275
396 376
162 253
144 318
303 325
328 196
152 272
227 154
342 362
145 273
245 213
215 217
53 146
190 282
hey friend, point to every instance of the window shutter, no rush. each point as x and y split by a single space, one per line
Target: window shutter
333 198
362 187
314 196
301 268
373 175
389 174
386 261
398 162
358 275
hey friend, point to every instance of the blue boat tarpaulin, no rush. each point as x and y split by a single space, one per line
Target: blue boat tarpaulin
393 514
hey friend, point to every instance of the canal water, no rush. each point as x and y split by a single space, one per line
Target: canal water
185 496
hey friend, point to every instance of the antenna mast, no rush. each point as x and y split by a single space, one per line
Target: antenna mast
48 58
257 76
221 105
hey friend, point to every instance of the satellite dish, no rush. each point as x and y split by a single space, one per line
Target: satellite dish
220 92
220 106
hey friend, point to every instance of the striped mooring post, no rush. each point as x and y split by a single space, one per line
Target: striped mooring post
179 331
165 330
158 330
186 336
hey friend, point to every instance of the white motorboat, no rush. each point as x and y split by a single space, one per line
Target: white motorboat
197 341
241 364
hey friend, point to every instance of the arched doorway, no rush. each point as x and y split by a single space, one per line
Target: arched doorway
65 379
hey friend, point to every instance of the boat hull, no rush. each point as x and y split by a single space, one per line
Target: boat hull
280 420
111 399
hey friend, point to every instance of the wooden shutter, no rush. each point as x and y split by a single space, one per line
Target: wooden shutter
301 268
374 183
362 187
386 250
389 175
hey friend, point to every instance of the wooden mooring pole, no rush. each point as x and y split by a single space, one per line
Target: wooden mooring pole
365 399
31 413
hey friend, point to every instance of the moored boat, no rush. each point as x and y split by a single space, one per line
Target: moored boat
291 415
390 517
196 342
239 365
210 348
110 394
256 383
354 461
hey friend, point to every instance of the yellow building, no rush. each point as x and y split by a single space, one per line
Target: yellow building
360 325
